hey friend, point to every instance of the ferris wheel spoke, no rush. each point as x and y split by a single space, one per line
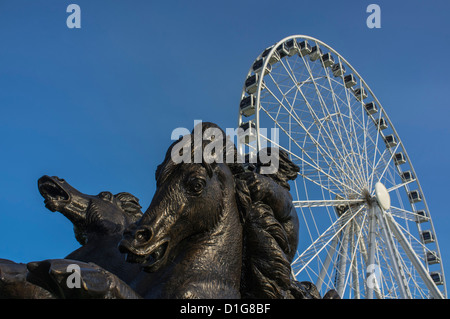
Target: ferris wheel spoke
324 155
375 153
322 103
386 163
366 230
360 155
365 159
392 178
388 277
405 214
347 265
335 182
319 203
342 261
324 240
373 139
419 267
356 246
314 166
351 114
315 116
399 274
354 263
304 214
395 187
326 264
336 106
414 244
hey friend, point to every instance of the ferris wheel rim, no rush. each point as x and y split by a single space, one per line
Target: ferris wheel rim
363 83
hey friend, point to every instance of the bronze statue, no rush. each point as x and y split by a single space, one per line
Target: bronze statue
212 230
189 240
98 221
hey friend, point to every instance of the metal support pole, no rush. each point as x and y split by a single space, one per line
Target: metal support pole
393 255
340 272
326 264
365 255
434 290
371 257
354 264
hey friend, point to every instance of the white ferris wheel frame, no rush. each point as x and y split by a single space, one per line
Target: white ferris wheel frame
376 213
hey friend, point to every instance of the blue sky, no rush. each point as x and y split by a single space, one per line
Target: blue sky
97 105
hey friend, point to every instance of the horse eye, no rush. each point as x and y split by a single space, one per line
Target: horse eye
196 185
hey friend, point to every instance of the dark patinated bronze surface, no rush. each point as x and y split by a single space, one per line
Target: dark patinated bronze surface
212 230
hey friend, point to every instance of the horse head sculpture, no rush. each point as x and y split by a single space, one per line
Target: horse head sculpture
98 221
190 237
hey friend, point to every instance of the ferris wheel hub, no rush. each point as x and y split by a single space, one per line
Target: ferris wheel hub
382 196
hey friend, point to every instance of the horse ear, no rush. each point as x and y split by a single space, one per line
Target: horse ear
129 203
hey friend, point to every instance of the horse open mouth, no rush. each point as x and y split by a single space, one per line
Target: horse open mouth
150 261
53 193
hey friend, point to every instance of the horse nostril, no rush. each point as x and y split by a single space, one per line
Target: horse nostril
143 235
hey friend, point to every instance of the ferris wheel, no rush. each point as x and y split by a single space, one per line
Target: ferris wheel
365 226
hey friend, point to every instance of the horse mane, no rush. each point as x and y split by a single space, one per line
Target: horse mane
266 271
265 268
